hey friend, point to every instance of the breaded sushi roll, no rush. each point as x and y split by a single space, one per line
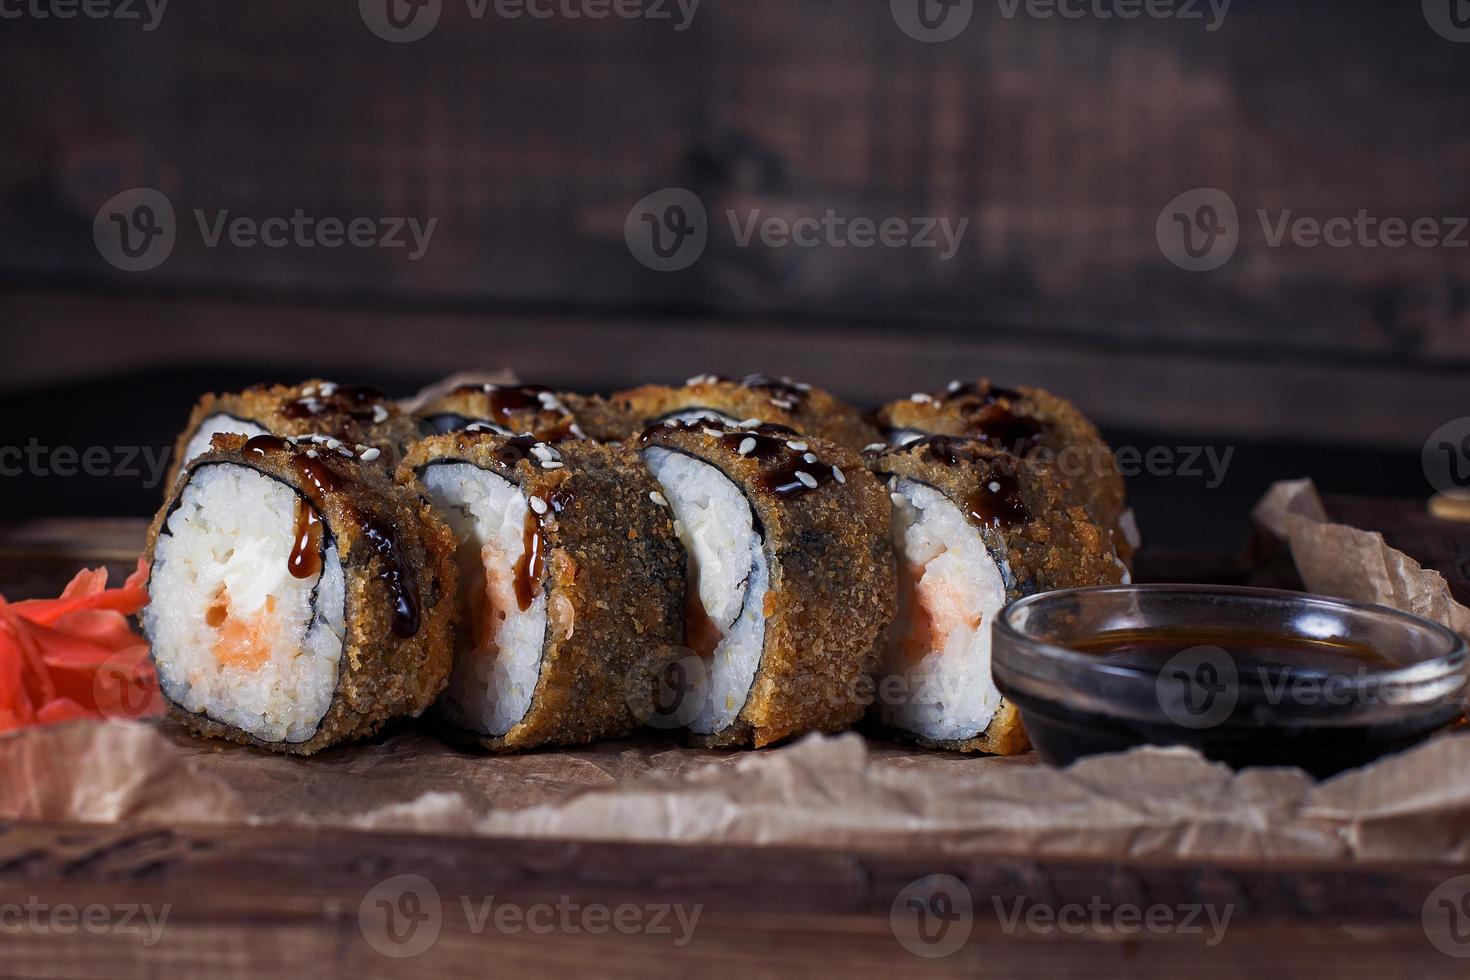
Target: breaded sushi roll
791 578
974 528
507 409
779 401
299 597
1028 422
572 585
352 414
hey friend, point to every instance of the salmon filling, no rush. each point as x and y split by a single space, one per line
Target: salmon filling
936 663
497 661
237 636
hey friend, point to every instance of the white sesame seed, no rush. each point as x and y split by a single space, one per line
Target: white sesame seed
312 453
538 505
658 498
678 528
807 480
994 487
369 455
898 498
380 414
837 475
329 388
747 446
334 443
809 458
875 447
345 453
750 424
798 446
920 397
783 404
954 386
552 464
542 452
714 433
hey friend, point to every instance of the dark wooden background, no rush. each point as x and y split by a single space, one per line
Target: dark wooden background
530 140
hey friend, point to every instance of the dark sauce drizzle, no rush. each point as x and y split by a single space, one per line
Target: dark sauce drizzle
319 480
354 401
997 502
989 415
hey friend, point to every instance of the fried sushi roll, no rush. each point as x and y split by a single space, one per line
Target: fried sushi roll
352 414
1028 422
974 528
572 585
791 578
507 409
299 597
779 401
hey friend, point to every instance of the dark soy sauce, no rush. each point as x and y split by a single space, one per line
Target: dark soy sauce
1245 699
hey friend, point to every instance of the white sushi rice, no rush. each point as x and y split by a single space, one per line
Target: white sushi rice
946 692
212 425
490 690
226 548
715 523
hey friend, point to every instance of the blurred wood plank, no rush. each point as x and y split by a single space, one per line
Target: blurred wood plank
60 335
255 902
530 140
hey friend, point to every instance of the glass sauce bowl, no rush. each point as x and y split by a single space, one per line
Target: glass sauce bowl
1247 676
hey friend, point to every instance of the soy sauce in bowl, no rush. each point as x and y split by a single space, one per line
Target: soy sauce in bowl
1246 676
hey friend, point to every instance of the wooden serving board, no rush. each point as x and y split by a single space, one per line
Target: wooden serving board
272 902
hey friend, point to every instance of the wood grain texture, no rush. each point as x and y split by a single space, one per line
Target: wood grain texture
1153 386
530 140
261 902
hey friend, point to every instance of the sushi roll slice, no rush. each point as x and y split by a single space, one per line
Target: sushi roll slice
353 414
507 409
791 577
572 584
779 401
298 596
974 528
1029 422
